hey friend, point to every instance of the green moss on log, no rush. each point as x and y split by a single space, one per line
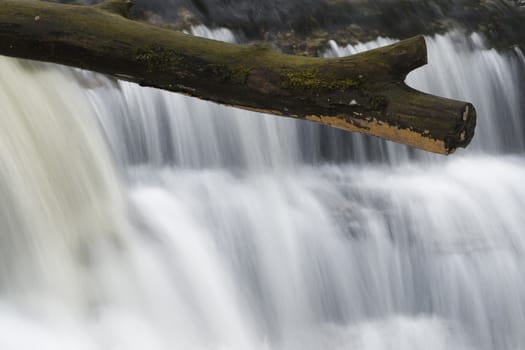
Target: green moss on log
310 79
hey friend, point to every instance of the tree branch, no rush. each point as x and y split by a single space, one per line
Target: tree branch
363 93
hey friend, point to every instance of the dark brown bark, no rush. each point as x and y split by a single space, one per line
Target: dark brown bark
364 93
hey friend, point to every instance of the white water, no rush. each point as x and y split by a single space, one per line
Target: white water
223 229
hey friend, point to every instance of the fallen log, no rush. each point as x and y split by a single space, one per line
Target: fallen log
363 93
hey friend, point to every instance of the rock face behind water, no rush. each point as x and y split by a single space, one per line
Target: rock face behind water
305 26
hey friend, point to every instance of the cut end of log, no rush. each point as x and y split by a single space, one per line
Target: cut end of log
466 124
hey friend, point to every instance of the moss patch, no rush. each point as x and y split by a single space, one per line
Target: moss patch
156 60
310 79
239 74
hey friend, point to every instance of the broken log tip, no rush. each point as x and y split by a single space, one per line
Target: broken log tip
466 125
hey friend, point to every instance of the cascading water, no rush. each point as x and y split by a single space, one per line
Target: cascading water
245 231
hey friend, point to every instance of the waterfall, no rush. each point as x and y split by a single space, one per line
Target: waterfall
133 218
61 201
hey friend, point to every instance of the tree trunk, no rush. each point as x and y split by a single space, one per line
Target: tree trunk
364 93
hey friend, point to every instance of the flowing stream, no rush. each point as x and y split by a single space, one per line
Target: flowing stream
132 218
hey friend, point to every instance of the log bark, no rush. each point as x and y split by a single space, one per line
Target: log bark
363 93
